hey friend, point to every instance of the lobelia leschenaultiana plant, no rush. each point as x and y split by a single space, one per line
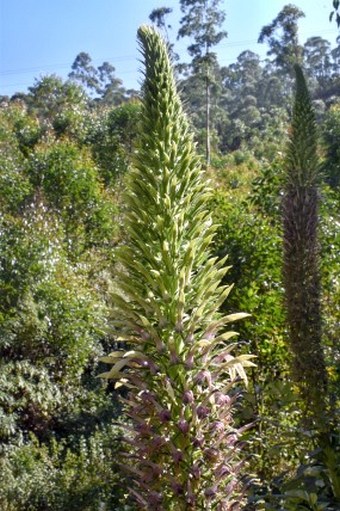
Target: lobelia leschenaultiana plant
183 448
301 275
301 272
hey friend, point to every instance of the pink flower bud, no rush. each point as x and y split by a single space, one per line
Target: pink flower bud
198 441
232 439
165 415
188 397
196 471
177 488
173 357
202 412
189 361
204 376
221 399
222 471
217 426
183 426
147 397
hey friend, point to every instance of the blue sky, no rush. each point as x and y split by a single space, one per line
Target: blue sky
39 37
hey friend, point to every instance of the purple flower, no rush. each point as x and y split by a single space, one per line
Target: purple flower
188 397
196 471
222 471
157 441
174 357
198 441
189 361
202 411
190 496
204 376
217 426
183 426
231 486
221 399
147 397
177 488
165 415
232 439
210 493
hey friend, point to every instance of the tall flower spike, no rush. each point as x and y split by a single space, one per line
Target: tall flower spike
181 456
301 255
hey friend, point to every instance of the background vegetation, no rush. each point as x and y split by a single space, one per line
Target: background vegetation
67 148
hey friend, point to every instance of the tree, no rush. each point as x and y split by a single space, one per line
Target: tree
50 95
240 83
331 133
335 12
157 16
99 81
317 59
301 272
282 37
68 178
201 20
183 449
54 275
84 72
113 141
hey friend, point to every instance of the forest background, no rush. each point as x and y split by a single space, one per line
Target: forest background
67 146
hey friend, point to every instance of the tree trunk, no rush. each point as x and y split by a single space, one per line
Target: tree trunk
207 120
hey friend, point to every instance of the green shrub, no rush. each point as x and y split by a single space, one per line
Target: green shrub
55 477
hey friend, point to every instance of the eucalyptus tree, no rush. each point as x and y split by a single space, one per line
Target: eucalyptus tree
331 134
202 21
336 57
183 446
158 16
282 37
335 12
84 73
241 85
318 61
99 82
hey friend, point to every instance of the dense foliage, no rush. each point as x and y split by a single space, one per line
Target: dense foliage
69 150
